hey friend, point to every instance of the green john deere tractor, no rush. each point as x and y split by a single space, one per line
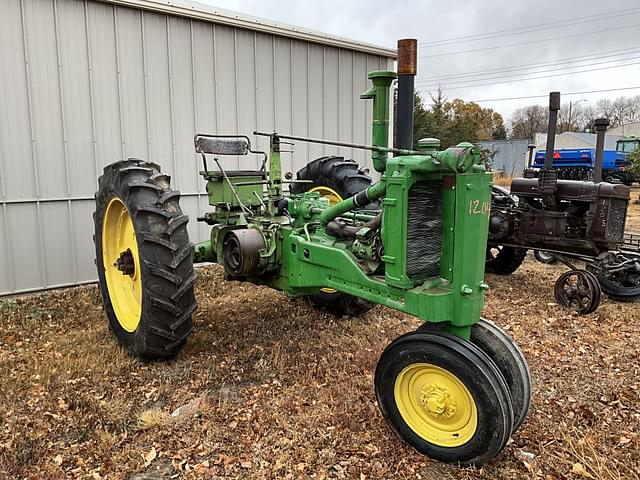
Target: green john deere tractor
415 241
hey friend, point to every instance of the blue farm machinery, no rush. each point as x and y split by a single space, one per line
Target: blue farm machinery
579 163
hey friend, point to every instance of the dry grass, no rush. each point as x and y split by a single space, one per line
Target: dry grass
633 216
501 179
153 418
288 391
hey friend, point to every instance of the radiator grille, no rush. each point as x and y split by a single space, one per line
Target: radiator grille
617 214
424 230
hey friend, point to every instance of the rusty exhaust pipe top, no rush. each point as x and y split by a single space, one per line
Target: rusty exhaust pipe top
407 67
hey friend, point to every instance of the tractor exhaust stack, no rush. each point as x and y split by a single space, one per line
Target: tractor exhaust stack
407 60
554 106
600 125
548 177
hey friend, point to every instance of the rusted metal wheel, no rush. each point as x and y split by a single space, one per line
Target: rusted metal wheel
618 275
578 290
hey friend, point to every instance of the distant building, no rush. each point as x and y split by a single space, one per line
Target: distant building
509 156
577 140
626 130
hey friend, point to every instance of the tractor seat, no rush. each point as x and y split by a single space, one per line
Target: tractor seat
238 173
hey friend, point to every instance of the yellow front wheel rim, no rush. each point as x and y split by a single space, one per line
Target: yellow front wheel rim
333 197
436 405
122 264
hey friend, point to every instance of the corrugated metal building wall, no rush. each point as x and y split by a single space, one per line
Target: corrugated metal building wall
85 83
511 156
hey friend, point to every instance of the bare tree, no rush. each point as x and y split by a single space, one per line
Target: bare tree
633 110
575 116
604 108
527 121
585 117
619 109
569 117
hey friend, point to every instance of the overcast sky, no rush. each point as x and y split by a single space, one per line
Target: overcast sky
598 35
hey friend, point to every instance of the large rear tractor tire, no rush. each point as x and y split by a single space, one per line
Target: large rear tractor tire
335 178
143 257
445 397
504 260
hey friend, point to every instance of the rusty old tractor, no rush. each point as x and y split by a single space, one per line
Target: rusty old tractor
567 221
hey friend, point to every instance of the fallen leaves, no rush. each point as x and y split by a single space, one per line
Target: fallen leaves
579 470
150 456
271 388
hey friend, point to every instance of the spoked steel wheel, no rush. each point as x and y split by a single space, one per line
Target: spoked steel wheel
618 275
578 290
445 397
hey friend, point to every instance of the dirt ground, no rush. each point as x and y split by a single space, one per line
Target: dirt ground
286 392
633 215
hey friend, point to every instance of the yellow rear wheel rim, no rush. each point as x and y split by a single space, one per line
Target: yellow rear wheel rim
124 285
436 405
333 197
328 193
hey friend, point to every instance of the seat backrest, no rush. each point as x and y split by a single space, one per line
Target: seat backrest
222 144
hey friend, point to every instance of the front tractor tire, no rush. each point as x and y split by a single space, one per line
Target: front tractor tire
143 257
335 178
506 355
504 260
445 397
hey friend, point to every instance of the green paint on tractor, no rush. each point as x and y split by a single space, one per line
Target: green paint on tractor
300 257
415 241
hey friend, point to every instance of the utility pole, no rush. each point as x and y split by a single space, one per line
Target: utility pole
570 110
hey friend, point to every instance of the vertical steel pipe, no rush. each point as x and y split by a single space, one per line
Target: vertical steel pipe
554 106
407 61
600 125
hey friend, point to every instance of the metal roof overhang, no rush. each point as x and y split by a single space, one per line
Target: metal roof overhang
207 13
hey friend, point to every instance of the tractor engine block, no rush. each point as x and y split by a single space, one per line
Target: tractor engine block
585 217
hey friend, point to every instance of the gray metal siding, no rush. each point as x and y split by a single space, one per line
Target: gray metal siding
85 83
511 155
